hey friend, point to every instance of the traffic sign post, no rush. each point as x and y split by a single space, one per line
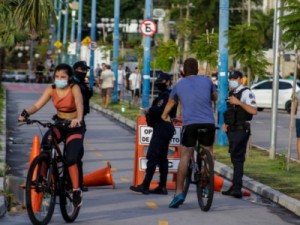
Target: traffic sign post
148 27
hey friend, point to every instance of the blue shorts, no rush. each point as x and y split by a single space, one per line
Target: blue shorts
298 128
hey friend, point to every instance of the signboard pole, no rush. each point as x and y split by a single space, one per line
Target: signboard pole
147 56
116 48
93 37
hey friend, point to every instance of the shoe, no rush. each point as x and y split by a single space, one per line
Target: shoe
177 200
205 192
77 198
233 193
159 191
140 189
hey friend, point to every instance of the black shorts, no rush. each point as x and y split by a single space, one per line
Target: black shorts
135 93
189 135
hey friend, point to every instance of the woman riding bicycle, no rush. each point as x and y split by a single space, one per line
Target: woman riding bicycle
67 100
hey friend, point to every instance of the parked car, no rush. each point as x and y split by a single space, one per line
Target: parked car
15 76
263 94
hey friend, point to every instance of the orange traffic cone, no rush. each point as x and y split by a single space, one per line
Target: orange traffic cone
101 177
36 198
221 184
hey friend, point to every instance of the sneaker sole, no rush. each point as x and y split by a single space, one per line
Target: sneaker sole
176 204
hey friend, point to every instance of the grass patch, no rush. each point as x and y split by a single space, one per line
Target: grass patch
258 165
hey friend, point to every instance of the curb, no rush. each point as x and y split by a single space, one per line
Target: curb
3 158
277 197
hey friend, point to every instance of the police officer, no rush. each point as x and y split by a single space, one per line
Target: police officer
162 133
241 106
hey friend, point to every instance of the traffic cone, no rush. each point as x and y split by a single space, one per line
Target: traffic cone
221 184
36 198
101 177
35 151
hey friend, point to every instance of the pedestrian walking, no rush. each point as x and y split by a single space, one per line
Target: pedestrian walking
107 83
135 81
163 131
241 106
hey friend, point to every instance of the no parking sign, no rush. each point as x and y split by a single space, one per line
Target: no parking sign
148 27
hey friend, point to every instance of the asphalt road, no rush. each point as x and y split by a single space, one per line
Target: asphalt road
109 140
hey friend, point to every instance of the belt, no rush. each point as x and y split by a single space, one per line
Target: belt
237 127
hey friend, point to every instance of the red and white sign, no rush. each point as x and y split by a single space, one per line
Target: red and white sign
148 27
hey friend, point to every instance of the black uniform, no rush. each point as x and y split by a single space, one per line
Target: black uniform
162 133
238 135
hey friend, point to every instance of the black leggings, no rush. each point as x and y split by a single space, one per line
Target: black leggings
73 138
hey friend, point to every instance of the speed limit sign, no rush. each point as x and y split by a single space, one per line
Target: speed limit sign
148 27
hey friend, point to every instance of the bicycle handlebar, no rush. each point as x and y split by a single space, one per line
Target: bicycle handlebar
46 123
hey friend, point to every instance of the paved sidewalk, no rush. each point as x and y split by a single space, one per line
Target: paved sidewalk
291 204
285 201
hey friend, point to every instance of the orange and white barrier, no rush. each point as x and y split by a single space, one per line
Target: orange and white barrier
143 137
222 184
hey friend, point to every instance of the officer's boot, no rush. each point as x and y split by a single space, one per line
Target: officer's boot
144 187
161 188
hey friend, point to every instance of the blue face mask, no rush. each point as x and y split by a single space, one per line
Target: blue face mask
61 83
233 84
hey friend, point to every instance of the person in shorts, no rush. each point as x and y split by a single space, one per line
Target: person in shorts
196 94
107 83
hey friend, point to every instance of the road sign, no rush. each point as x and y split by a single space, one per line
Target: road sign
93 45
146 135
86 41
172 164
58 44
148 27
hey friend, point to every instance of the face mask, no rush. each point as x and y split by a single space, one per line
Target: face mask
161 86
61 83
80 75
233 84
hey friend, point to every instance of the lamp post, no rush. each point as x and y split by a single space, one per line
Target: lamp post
74 7
79 28
93 38
66 18
116 48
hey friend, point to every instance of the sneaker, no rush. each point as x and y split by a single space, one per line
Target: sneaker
177 200
205 192
140 189
233 193
77 198
159 191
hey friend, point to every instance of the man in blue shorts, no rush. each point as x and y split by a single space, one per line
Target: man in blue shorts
196 93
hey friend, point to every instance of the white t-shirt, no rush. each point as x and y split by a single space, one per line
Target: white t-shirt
120 76
298 106
135 81
108 78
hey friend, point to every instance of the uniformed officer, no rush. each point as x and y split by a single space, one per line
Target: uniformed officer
162 133
241 106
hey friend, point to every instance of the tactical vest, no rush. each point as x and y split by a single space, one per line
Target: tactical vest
235 114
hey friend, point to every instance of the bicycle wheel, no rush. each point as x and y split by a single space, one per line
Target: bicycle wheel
68 211
205 184
187 179
40 190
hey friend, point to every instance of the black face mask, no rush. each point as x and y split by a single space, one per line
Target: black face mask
161 86
80 75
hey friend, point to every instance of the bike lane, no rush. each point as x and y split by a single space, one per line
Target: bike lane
110 140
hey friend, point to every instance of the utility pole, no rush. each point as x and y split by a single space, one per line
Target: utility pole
58 27
79 28
65 30
93 38
223 69
276 59
116 47
147 56
74 9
